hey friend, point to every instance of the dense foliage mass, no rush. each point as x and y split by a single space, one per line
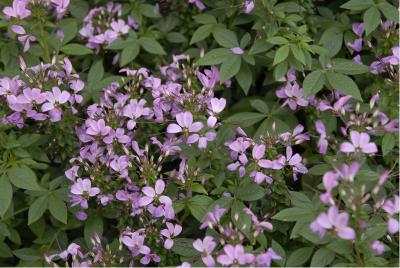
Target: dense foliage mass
199 133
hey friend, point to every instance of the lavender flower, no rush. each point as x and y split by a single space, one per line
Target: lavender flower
359 142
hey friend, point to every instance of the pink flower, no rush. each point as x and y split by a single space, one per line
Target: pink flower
330 181
185 121
120 26
136 243
171 232
322 141
18 10
216 106
234 255
248 6
294 96
213 217
198 4
206 247
152 194
54 98
97 128
82 187
264 259
210 77
359 142
25 39
378 247
334 220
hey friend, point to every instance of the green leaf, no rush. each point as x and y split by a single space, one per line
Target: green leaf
249 192
298 53
76 50
5 251
332 40
198 188
313 83
201 33
322 257
184 247
225 38
299 257
389 11
23 177
149 11
121 44
151 45
37 209
244 77
293 214
278 40
93 225
260 106
344 84
241 219
358 4
70 29
281 54
340 246
230 67
6 194
388 143
129 53
58 208
27 254
346 66
205 19
300 200
176 37
198 206
259 46
372 19
215 56
96 72
245 119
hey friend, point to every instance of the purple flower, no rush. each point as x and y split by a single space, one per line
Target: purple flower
258 225
392 208
348 172
61 6
296 136
134 110
248 6
209 136
237 50
171 232
333 220
198 4
120 26
394 59
24 38
358 28
54 99
378 247
294 96
84 187
213 217
330 181
216 106
32 96
97 128
235 255
264 259
18 10
186 125
356 45
206 247
120 164
118 135
359 142
152 194
258 153
210 77
322 141
135 242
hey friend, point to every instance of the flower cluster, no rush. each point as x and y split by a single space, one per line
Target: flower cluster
229 248
104 25
270 142
42 92
21 10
